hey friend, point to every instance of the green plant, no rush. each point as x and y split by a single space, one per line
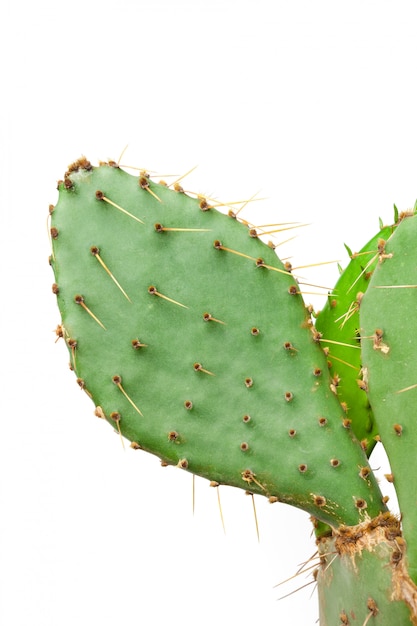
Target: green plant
193 340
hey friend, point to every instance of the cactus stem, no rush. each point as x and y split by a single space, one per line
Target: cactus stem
96 253
154 292
100 196
159 229
118 382
80 300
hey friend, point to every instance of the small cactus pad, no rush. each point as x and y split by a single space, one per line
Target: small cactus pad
338 322
388 317
193 340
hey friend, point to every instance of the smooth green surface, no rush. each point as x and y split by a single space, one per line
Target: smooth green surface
338 321
390 305
289 446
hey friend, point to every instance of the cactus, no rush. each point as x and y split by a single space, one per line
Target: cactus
338 322
192 339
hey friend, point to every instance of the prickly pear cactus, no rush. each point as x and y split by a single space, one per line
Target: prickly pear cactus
389 348
339 324
193 341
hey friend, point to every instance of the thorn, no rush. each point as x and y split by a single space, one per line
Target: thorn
244 204
281 230
80 300
335 358
144 184
254 513
121 154
96 252
72 343
199 368
193 493
298 589
407 388
100 196
118 382
136 344
213 483
219 246
338 343
117 417
183 176
154 292
395 287
159 229
207 317
300 267
365 269
248 476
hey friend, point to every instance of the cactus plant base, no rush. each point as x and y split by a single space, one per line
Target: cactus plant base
363 576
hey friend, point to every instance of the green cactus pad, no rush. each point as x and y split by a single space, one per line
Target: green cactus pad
389 346
190 337
338 322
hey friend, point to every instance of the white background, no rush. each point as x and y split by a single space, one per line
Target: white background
311 102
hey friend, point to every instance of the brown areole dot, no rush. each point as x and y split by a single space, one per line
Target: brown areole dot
302 468
115 416
322 421
55 289
248 382
188 405
360 503
293 290
398 429
364 472
204 205
334 462
54 232
244 446
255 331
173 435
246 418
319 500
292 432
183 463
288 396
